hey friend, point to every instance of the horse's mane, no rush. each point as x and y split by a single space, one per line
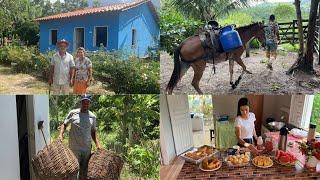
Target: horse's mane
247 26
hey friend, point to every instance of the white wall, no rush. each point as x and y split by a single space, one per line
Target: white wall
166 136
272 105
38 110
9 146
226 105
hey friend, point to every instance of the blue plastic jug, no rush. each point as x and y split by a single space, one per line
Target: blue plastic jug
230 39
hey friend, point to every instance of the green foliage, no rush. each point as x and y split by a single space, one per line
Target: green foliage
234 18
207 10
202 104
254 44
290 47
127 124
126 76
144 159
26 60
28 32
175 28
315 116
262 11
284 12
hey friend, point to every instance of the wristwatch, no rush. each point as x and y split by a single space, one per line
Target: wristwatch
246 145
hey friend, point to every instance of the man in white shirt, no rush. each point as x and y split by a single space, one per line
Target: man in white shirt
61 69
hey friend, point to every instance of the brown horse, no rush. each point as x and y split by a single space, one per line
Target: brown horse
190 53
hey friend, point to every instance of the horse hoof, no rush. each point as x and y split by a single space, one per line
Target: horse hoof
231 83
233 86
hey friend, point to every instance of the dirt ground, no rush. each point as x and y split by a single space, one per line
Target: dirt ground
262 81
18 83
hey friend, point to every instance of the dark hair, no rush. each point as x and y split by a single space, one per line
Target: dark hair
242 102
272 17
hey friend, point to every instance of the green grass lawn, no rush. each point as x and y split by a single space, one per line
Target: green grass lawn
315 116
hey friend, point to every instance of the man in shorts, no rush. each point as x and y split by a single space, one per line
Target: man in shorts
272 40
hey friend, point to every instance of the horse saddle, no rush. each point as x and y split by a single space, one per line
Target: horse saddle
211 43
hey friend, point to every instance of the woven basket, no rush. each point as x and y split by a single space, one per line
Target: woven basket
55 161
104 164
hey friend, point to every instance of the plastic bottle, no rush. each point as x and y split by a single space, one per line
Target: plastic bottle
260 143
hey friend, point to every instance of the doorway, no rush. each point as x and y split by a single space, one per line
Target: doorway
79 38
23 137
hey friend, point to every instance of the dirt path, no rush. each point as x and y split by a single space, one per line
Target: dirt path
18 83
262 81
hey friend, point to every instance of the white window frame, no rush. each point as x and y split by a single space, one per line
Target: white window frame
307 111
74 37
95 35
50 36
133 43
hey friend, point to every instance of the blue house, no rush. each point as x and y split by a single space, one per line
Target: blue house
131 27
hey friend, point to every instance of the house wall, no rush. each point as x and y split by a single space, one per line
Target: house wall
9 147
272 105
166 137
148 31
226 105
66 30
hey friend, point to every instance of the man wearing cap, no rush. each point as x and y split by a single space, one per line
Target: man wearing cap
61 69
83 128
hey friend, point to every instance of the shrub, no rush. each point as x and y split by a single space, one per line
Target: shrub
254 44
175 28
126 76
144 159
21 59
4 51
26 60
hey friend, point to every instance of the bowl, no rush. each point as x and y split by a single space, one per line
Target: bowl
276 125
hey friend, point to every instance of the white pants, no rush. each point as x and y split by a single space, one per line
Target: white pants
60 89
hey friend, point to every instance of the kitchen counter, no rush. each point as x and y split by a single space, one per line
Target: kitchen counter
192 171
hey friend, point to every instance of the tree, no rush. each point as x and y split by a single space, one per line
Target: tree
28 31
284 12
233 18
208 9
305 59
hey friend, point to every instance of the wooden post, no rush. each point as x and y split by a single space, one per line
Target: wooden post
248 49
293 31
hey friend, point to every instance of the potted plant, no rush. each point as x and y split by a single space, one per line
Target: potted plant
312 152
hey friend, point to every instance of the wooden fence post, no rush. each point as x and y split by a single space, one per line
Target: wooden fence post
293 31
248 49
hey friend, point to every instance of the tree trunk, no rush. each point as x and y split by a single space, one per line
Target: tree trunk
305 59
311 34
300 29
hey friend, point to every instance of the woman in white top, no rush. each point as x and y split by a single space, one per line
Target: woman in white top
244 125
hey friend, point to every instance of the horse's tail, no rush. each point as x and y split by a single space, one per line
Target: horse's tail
176 71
